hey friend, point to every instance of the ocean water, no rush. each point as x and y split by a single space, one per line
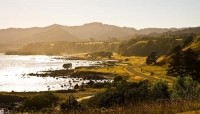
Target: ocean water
13 70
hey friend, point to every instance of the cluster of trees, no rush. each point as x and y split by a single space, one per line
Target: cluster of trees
152 58
56 48
123 93
99 54
67 65
184 63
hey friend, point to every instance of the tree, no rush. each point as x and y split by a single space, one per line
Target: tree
188 40
191 64
102 53
175 67
152 58
184 63
109 54
121 48
67 65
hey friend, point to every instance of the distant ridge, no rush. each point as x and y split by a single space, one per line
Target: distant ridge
13 38
53 34
95 30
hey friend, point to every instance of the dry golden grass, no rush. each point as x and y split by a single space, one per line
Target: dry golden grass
80 94
132 60
119 70
157 107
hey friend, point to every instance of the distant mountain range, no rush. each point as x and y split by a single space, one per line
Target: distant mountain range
18 37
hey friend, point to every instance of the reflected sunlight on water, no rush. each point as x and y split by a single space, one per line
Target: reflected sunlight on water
13 68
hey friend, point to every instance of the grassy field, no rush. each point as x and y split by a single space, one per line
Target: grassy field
62 95
131 60
138 62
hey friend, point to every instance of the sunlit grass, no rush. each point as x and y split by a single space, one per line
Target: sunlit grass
116 70
80 94
132 60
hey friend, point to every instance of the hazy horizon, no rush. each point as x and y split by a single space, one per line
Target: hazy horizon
137 14
95 22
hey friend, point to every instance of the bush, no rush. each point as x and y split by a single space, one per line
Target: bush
126 59
40 101
101 85
185 88
76 86
11 98
123 91
159 90
137 92
70 104
106 99
118 78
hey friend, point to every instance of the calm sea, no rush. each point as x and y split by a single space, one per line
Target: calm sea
14 67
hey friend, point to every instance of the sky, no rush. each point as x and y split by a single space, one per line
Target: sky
124 13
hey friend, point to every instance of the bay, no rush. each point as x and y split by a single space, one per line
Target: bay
13 70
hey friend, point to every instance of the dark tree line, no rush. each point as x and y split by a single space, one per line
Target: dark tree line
100 54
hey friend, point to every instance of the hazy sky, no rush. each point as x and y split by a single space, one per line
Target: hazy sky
129 13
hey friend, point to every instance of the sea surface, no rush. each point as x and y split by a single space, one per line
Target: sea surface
14 70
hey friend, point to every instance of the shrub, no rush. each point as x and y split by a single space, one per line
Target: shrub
159 90
76 86
70 104
118 78
40 101
137 92
106 99
126 59
101 85
185 88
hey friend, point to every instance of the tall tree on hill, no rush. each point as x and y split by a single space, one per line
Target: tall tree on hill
175 67
109 54
191 63
188 39
184 63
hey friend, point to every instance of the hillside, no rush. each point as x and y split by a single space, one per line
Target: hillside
15 38
13 34
195 30
100 31
57 48
54 34
195 45
95 30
